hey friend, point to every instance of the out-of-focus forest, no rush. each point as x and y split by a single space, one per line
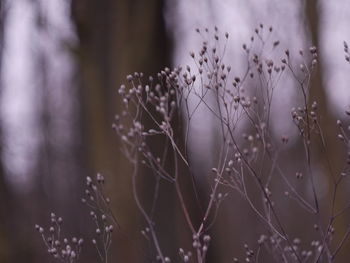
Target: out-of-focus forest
61 64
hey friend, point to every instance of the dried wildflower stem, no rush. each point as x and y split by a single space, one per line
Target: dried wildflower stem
145 215
229 106
255 162
211 201
171 138
299 198
283 233
307 143
180 196
341 244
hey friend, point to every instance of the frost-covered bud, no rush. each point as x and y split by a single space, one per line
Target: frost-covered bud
121 90
206 238
68 248
313 49
88 180
196 244
314 62
230 163
341 137
100 178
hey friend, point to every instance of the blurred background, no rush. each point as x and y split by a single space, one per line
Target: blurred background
61 63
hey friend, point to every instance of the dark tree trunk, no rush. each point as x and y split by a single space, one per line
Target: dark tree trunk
116 38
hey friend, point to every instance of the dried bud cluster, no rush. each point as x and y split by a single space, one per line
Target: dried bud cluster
100 213
168 99
62 248
186 257
162 107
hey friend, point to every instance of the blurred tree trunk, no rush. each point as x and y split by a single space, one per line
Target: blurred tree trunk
333 151
7 247
115 39
318 93
317 87
58 169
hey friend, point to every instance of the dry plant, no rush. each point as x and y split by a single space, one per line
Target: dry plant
163 107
